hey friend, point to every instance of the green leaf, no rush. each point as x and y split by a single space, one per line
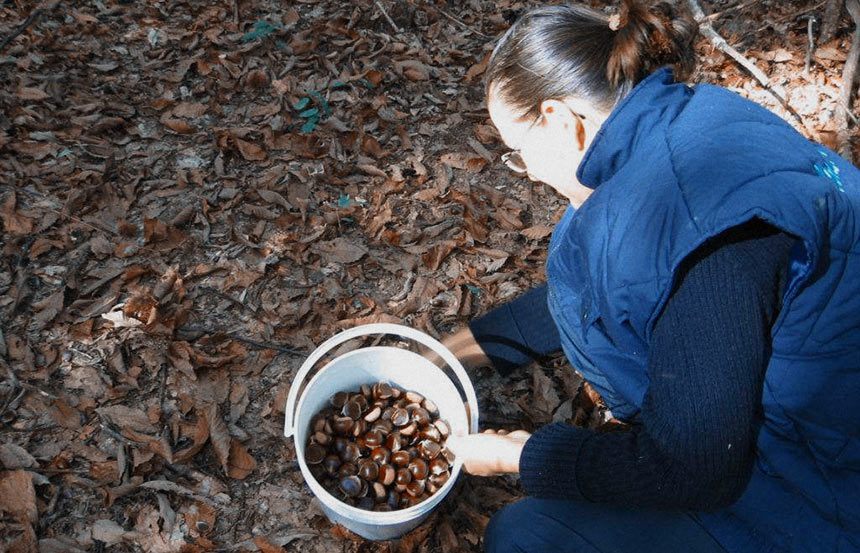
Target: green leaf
303 103
311 124
343 201
366 83
261 29
338 84
308 113
474 289
322 101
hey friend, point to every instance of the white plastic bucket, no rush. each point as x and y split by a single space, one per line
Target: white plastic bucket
402 368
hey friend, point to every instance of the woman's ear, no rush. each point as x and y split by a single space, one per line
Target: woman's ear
560 118
555 113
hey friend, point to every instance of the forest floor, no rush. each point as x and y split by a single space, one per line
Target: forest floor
195 195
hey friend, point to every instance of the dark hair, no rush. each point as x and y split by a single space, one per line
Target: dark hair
558 51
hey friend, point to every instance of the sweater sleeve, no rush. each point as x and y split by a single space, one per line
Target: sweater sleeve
692 446
515 333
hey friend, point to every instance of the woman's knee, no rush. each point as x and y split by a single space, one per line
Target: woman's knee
532 525
501 533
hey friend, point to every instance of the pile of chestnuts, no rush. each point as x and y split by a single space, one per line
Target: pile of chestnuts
379 448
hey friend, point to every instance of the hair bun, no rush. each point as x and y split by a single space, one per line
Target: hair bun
648 37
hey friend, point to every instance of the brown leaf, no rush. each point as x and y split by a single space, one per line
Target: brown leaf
273 197
545 398
374 77
259 212
123 417
479 68
141 307
415 540
241 463
13 222
28 93
486 134
413 70
48 308
108 531
16 457
266 546
250 151
342 533
178 125
339 250
422 291
371 146
36 150
537 232
464 160
200 519
197 432
434 257
156 444
447 538
257 78
219 436
190 109
180 355
508 217
18 496
831 54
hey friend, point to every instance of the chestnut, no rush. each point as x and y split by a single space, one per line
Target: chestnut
314 454
351 486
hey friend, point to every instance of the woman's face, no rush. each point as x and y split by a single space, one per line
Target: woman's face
551 147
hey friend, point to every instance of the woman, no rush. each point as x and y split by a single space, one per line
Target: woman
705 280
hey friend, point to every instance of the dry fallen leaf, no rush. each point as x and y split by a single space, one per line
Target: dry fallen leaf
537 232
18 496
250 151
339 250
30 93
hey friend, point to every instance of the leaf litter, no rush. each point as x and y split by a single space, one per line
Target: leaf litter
189 193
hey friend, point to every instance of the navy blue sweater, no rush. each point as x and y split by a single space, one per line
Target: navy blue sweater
707 361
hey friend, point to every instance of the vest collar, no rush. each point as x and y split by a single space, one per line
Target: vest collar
649 107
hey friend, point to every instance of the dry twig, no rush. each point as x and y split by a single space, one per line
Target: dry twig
720 43
387 17
843 107
810 47
455 20
27 22
737 7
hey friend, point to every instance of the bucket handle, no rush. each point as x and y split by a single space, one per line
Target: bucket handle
380 328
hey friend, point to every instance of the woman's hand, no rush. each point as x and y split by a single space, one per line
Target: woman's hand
490 453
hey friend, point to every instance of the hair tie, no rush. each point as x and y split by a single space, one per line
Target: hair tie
615 21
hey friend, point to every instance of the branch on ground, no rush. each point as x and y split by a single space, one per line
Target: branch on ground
843 106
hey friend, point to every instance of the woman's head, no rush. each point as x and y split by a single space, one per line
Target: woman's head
574 51
556 74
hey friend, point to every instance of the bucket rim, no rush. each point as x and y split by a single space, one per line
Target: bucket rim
365 516
381 328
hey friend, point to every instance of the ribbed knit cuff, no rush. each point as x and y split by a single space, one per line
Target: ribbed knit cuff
548 462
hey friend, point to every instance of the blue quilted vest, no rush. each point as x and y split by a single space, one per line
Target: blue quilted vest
672 167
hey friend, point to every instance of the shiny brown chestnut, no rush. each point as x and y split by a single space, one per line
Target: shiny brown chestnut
386 475
401 458
314 454
368 469
351 486
381 455
418 468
